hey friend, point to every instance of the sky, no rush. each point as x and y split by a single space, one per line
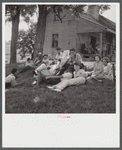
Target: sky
110 14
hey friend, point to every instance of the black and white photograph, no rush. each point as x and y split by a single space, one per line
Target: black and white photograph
61 59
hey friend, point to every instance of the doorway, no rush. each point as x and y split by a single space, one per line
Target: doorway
93 42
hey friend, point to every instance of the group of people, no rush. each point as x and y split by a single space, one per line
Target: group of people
64 70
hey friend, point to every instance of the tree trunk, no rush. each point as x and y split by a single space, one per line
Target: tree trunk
40 32
15 26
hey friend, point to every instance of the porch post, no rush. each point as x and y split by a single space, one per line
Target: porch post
101 43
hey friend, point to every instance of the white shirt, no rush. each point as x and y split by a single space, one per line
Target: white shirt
40 68
10 79
59 56
107 68
66 54
66 75
30 63
80 73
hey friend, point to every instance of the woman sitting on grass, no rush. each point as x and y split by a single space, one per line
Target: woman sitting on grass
48 79
97 69
107 69
79 78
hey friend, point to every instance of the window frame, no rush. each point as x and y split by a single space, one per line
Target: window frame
53 40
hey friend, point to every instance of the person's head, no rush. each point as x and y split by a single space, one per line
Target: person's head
105 60
97 57
50 57
39 55
58 49
15 72
77 66
70 69
72 52
45 56
28 59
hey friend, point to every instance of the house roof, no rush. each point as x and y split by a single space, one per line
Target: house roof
110 24
102 22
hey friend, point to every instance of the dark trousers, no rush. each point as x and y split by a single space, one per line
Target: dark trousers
25 69
7 85
51 81
64 68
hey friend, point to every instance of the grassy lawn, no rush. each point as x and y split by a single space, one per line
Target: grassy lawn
89 98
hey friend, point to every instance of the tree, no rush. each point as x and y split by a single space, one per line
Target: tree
43 11
26 40
13 13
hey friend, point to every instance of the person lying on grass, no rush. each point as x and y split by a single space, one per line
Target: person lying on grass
79 78
97 69
48 79
10 80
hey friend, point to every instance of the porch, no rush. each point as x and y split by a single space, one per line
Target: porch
90 43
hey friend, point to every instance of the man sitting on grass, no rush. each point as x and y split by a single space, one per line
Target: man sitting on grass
79 78
43 77
10 80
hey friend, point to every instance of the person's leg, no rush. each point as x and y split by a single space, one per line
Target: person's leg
52 81
39 79
69 82
77 81
63 84
25 69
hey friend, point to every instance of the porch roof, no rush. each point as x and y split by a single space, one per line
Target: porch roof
103 22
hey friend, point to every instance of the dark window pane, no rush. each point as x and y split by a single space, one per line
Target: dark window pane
55 40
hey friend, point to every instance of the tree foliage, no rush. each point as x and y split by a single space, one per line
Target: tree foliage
26 40
13 13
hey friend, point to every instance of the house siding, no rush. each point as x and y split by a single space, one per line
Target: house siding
69 30
66 33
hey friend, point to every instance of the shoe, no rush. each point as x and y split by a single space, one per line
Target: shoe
57 90
34 83
100 81
50 87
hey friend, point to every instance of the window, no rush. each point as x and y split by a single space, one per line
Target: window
56 17
55 40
